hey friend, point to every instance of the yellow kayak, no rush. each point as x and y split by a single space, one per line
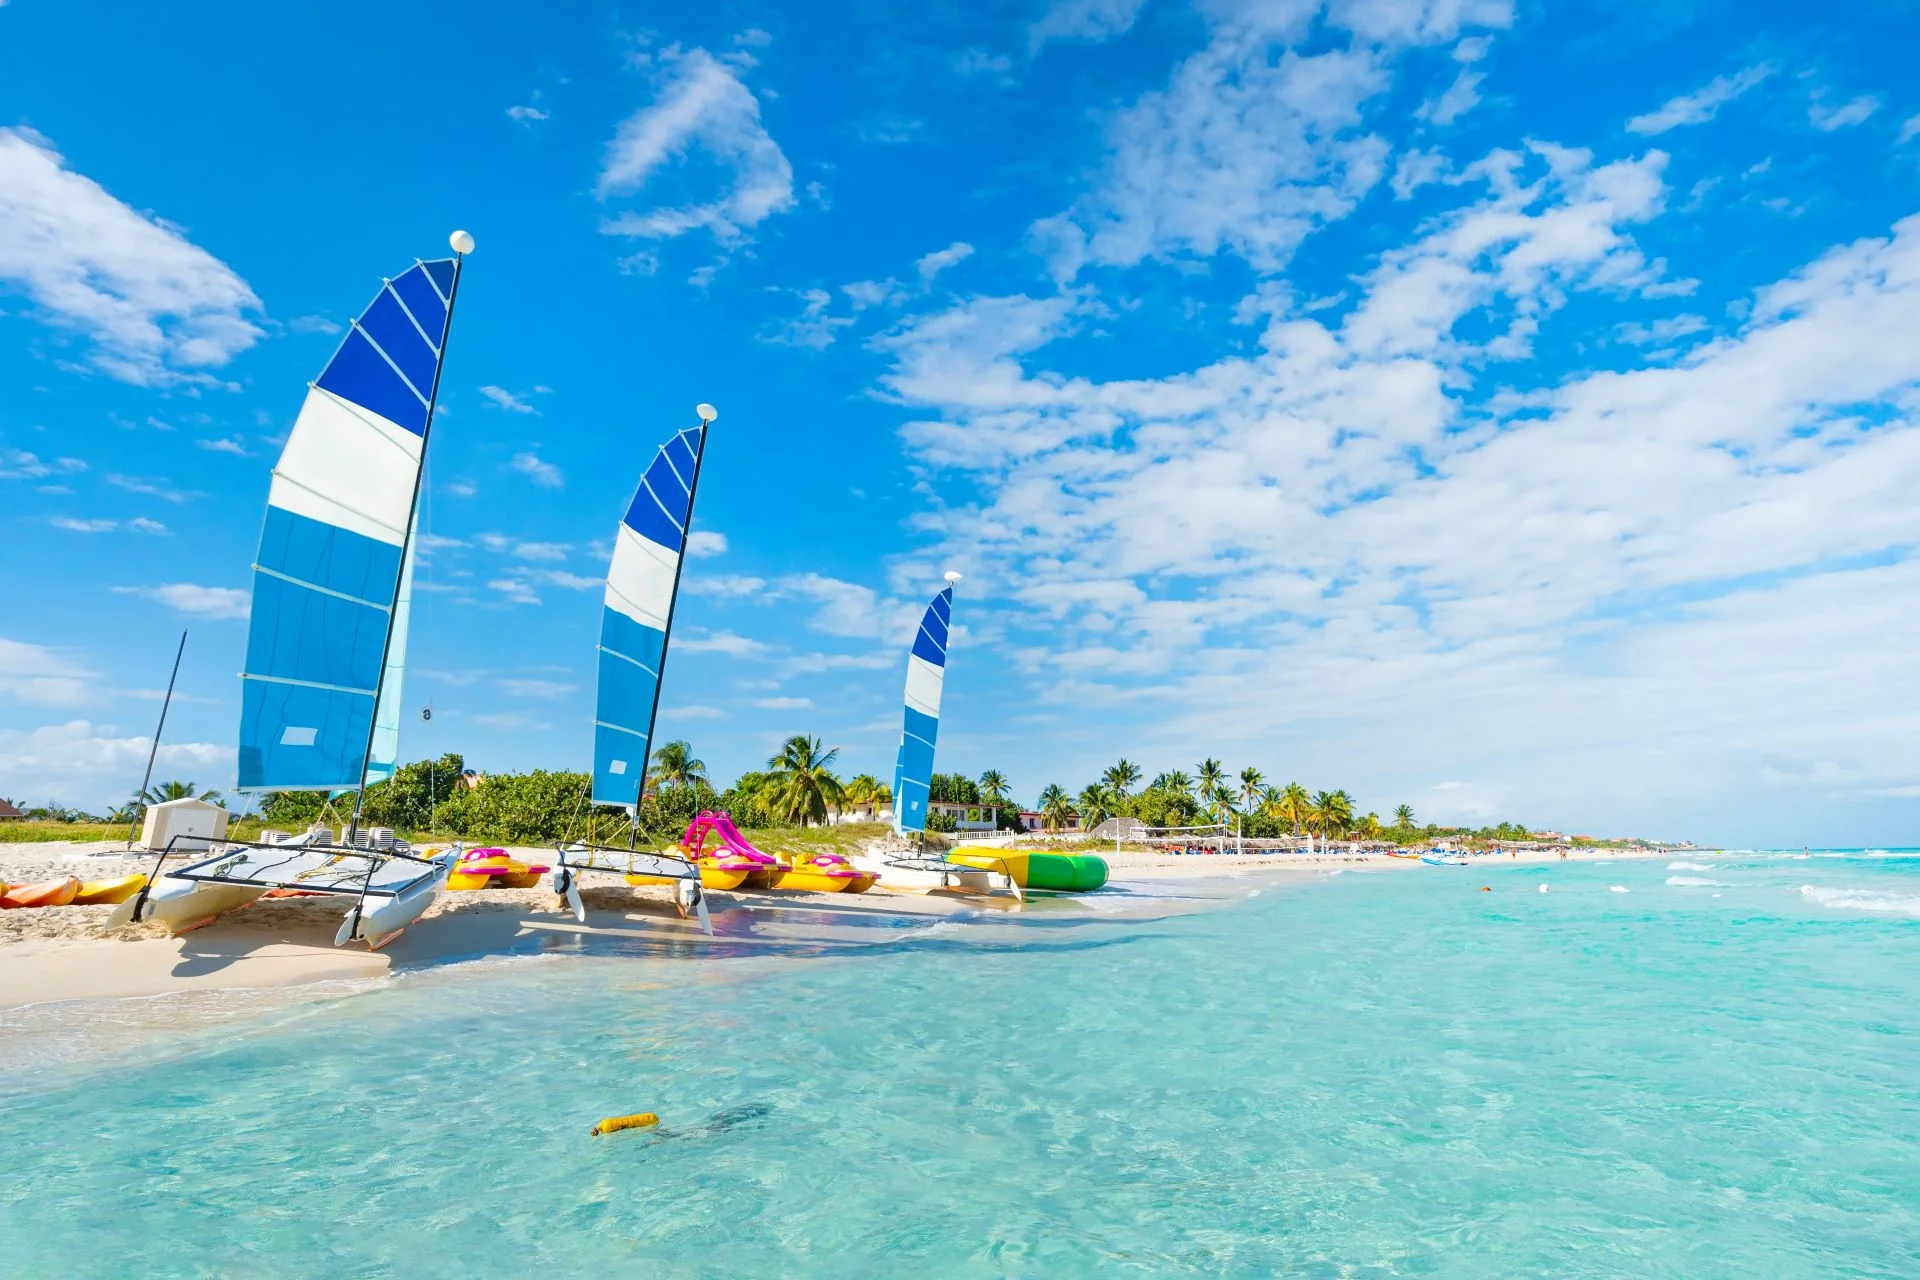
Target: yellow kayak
108 892
825 873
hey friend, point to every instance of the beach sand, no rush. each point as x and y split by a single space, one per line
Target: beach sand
66 953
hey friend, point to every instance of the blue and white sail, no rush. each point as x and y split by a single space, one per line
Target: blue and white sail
337 545
638 613
926 676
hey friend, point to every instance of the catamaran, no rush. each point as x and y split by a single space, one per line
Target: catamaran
327 633
636 621
913 765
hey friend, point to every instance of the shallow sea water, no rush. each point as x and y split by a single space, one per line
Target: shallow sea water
1364 1075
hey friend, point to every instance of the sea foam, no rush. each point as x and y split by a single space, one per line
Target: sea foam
1696 882
1861 900
1688 866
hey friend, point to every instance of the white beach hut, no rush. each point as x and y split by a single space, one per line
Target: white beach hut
193 826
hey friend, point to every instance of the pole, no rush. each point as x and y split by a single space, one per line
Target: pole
413 511
154 751
673 602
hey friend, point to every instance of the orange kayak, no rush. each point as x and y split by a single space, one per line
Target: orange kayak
48 893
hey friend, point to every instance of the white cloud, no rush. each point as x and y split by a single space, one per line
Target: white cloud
72 525
36 674
140 524
526 114
813 328
1702 104
702 106
1908 131
185 597
312 324
706 542
544 474
693 711
540 550
227 445
516 590
940 259
726 642
18 464
783 704
544 690
570 581
96 766
1364 504
1845 116
501 398
1090 20
460 488
156 488
723 584
1243 152
158 308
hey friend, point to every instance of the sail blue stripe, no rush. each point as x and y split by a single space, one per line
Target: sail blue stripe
331 754
423 302
630 656
314 636
611 744
360 374
339 560
441 269
401 340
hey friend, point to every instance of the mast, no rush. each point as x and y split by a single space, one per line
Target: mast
706 415
462 245
154 751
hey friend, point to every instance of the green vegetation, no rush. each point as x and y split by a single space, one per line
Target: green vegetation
1245 802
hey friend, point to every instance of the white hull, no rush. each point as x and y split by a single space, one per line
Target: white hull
179 905
383 918
914 880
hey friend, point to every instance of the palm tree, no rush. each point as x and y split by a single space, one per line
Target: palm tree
800 785
1342 811
1250 783
165 791
674 766
1403 816
868 793
1294 806
1095 805
993 787
1368 828
1056 810
1179 783
1331 812
1120 777
1211 775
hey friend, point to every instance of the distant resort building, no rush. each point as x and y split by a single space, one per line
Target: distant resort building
967 817
8 813
1034 820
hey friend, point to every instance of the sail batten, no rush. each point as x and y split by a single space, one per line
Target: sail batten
636 614
327 632
926 678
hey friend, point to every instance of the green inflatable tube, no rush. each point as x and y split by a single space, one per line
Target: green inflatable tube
1066 873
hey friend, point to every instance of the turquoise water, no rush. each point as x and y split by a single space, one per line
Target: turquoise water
1366 1075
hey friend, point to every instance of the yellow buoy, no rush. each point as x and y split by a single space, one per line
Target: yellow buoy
614 1124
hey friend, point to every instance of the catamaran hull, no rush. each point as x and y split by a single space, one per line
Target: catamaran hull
382 919
179 906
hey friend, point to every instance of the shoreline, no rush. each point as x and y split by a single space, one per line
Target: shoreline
63 956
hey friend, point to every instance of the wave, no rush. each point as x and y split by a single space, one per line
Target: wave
1688 866
1862 900
1619 888
1697 882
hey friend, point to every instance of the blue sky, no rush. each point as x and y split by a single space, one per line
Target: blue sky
1498 407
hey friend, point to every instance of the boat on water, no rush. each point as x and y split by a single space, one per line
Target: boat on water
915 866
327 631
1443 858
636 623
